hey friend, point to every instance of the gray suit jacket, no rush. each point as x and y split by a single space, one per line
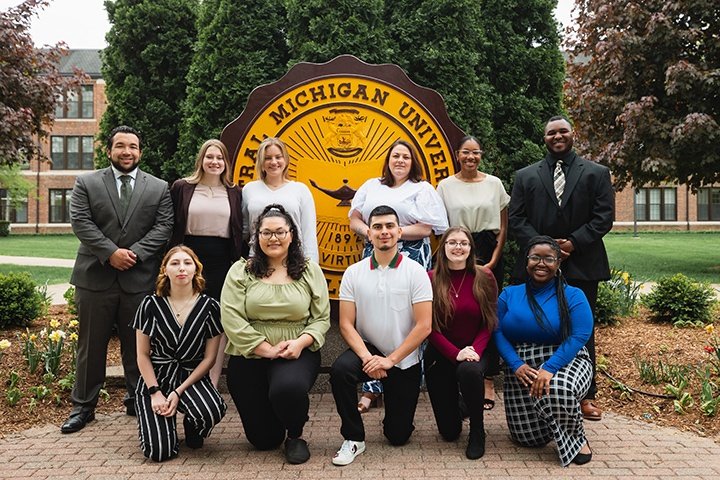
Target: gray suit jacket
96 221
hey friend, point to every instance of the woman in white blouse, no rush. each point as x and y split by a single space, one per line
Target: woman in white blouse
208 211
420 209
420 212
273 186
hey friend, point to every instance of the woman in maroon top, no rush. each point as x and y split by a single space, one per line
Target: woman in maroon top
464 316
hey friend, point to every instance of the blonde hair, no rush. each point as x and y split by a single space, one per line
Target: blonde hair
260 156
162 284
197 175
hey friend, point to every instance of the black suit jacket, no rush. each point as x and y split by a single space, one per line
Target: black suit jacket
586 215
96 220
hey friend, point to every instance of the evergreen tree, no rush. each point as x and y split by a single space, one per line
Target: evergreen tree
144 66
320 30
442 47
238 49
526 73
644 89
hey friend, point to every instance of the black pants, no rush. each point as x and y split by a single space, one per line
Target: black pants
272 396
445 381
401 389
590 289
485 243
215 254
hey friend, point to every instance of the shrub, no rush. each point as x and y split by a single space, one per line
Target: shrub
607 307
20 301
680 301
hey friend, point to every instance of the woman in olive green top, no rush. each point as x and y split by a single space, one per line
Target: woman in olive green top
275 312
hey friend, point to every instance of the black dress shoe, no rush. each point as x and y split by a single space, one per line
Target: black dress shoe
192 436
476 445
296 451
77 421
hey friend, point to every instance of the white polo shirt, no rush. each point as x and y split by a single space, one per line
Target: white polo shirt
383 299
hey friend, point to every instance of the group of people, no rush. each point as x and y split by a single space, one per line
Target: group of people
241 279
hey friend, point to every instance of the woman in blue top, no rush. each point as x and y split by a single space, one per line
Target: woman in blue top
543 327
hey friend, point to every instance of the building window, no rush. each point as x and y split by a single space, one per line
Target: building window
71 153
60 205
12 213
708 205
656 204
76 103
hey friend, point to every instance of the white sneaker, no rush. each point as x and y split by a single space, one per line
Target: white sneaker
347 453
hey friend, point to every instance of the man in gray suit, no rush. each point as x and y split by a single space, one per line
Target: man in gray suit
123 218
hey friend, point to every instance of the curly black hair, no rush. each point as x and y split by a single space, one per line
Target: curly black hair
564 310
295 261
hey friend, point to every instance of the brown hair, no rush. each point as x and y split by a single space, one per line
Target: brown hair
197 175
162 284
416 173
260 156
484 286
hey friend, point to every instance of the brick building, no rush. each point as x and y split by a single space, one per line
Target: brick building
69 148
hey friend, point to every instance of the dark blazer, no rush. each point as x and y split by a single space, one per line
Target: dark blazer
586 215
181 193
96 221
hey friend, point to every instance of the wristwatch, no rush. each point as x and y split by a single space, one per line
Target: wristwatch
153 389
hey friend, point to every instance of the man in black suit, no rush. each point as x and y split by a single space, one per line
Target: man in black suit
573 204
123 218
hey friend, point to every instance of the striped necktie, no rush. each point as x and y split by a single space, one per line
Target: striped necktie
125 193
559 181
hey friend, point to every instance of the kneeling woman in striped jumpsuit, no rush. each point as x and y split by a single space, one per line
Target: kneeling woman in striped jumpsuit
178 333
543 327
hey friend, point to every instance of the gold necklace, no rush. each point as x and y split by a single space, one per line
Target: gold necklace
185 305
457 292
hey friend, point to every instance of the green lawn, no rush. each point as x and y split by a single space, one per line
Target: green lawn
51 275
46 246
651 256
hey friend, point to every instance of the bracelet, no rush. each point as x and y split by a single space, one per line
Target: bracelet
176 393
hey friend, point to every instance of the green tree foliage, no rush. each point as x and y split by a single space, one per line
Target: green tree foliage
643 88
320 30
526 73
237 50
29 84
144 65
443 47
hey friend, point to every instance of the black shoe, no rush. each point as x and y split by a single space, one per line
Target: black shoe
130 410
77 421
476 445
296 451
582 458
192 437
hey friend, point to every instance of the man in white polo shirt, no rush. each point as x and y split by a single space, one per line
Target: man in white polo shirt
385 314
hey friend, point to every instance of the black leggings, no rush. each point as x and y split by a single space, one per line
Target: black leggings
272 396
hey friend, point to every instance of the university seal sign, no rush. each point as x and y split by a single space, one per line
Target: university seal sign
338 120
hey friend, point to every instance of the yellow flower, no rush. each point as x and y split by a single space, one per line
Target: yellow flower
73 324
74 336
54 323
56 335
626 277
4 344
710 329
33 337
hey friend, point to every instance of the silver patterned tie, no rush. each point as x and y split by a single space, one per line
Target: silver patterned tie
559 181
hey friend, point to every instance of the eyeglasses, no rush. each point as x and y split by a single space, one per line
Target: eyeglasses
268 234
477 153
453 244
549 261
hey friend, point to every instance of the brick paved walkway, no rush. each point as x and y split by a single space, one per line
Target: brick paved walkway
107 448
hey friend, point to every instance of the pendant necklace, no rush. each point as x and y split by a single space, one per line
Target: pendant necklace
457 292
185 305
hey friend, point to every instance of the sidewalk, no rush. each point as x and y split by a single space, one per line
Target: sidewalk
108 448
